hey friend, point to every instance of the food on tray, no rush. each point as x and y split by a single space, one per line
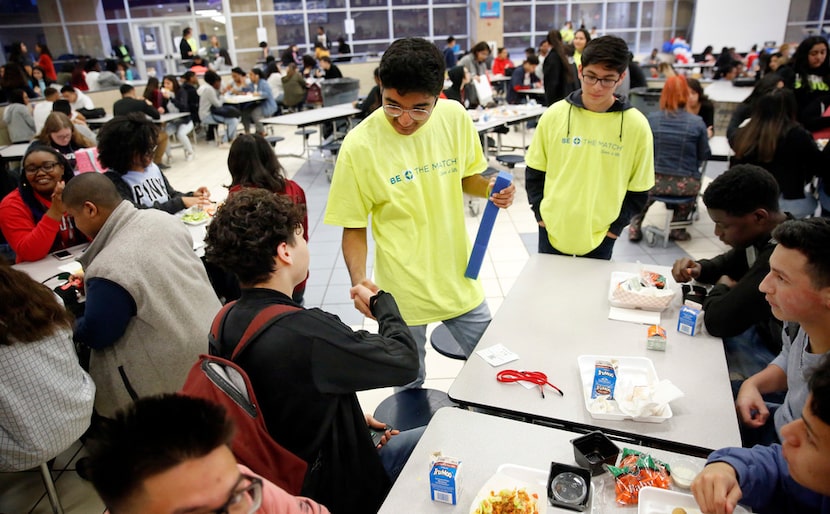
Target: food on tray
635 471
195 216
509 501
646 291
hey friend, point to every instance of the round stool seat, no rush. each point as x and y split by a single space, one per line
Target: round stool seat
445 344
411 408
510 160
332 147
305 132
272 140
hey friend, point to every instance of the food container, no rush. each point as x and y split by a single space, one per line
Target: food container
683 471
593 450
569 487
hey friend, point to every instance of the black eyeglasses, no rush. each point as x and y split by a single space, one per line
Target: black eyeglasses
416 114
243 501
47 166
591 80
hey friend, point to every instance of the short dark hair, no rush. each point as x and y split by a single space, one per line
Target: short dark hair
742 189
810 236
91 187
124 137
450 39
326 58
211 77
532 59
49 91
238 70
246 231
413 65
607 51
258 72
188 75
62 105
481 46
125 88
186 31
819 384
15 96
152 435
67 89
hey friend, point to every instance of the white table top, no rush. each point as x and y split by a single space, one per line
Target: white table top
724 91
532 91
164 118
240 99
15 151
558 310
498 116
313 116
720 148
483 443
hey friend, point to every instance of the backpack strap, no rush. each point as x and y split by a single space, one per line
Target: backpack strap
217 327
264 319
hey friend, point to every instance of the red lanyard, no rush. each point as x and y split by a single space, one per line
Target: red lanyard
535 377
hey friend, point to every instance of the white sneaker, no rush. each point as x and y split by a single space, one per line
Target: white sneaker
188 156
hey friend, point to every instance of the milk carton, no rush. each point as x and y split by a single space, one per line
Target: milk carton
689 318
445 479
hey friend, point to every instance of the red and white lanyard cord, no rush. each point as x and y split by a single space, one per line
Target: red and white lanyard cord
535 377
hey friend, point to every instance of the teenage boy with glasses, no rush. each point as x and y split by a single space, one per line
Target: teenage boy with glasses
591 162
408 165
170 454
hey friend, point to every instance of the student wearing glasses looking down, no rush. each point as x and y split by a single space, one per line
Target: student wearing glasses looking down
591 162
408 165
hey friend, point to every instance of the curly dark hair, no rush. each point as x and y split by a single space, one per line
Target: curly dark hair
125 137
412 65
29 311
742 189
253 163
246 231
810 236
819 384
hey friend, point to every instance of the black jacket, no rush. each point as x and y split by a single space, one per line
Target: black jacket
305 370
128 105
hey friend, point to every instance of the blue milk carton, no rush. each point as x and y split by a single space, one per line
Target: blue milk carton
445 479
689 318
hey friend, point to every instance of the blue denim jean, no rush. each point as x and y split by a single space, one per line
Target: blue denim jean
395 453
603 251
746 354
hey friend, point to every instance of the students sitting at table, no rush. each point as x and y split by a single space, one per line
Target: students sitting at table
15 77
77 99
175 99
798 291
62 105
328 70
502 62
40 81
783 479
460 88
43 109
190 84
295 88
47 397
130 103
171 454
523 77
126 145
213 112
32 217
152 94
18 117
743 203
256 111
239 83
60 133
307 365
149 303
774 140
700 105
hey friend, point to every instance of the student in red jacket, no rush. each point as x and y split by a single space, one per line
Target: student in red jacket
32 217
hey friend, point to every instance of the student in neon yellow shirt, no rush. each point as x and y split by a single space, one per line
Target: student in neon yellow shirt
407 166
591 162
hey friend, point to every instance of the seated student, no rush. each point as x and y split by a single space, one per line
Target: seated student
743 203
239 82
176 99
18 117
213 112
190 83
798 290
306 367
129 103
372 101
294 87
77 118
77 98
328 70
60 133
32 217
125 146
149 303
44 108
780 479
171 454
259 110
524 77
460 88
47 397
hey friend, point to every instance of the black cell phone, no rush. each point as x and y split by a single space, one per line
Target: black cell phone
62 255
377 434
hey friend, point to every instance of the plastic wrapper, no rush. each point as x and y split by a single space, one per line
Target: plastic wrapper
635 471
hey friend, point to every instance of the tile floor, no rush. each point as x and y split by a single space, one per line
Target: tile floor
513 239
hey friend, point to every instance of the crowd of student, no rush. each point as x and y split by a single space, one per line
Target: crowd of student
151 303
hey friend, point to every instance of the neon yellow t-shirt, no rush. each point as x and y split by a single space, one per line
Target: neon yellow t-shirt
411 186
591 160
